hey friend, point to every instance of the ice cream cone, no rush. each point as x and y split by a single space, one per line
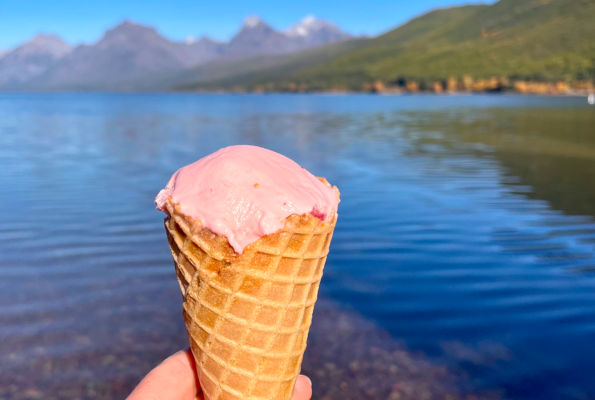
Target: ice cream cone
248 314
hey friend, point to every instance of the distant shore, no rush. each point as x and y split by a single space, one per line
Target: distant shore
465 85
385 93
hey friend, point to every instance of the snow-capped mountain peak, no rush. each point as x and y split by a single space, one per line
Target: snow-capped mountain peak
252 21
316 31
307 26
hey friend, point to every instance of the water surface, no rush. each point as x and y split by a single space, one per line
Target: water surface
462 265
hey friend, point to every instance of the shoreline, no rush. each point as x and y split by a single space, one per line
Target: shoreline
463 85
359 92
312 92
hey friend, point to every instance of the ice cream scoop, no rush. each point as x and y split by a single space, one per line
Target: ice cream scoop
246 192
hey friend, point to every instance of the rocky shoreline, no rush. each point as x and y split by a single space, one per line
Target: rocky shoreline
464 85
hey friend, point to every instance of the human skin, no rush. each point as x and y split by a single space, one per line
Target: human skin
175 379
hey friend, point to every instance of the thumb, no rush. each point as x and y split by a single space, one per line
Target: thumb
302 389
173 379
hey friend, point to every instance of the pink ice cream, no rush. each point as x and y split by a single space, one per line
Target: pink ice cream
246 192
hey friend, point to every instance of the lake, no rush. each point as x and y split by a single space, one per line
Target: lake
462 266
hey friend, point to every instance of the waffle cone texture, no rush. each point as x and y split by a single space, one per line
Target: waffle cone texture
248 315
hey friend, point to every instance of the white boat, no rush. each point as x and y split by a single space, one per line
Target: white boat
591 99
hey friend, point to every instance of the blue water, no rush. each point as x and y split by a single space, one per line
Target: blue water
454 247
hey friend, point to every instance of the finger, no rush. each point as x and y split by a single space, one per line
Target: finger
173 379
302 389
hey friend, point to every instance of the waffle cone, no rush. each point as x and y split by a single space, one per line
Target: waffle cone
248 314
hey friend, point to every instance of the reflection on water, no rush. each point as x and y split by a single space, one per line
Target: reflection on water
551 150
462 262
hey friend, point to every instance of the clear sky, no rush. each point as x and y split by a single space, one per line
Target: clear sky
79 21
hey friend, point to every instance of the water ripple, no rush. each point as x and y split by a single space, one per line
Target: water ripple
475 252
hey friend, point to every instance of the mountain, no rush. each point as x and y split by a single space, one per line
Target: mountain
510 42
311 32
542 40
262 48
125 53
261 72
31 59
131 56
202 50
257 37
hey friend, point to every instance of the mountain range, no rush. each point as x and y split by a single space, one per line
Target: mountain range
484 46
516 44
131 52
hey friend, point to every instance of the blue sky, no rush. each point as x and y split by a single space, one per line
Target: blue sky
84 21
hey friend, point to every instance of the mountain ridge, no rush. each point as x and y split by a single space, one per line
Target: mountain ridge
473 47
31 59
130 51
541 46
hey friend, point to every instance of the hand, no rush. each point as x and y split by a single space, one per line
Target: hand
175 379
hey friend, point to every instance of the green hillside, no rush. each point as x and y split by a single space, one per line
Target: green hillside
534 40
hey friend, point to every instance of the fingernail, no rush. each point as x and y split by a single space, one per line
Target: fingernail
309 380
